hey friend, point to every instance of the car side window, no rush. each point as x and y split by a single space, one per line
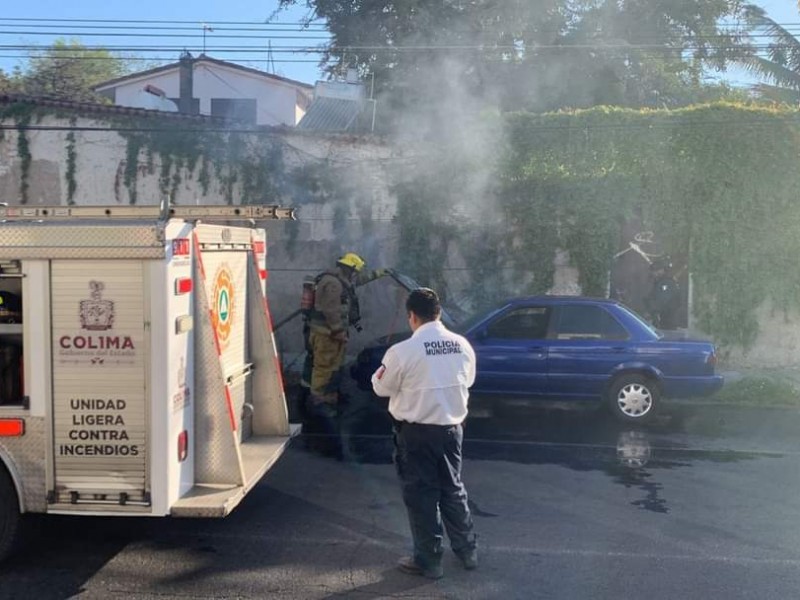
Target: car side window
588 322
528 323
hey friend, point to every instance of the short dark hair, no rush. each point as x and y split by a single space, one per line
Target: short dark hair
424 303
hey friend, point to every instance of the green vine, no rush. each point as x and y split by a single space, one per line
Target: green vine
72 159
717 184
25 158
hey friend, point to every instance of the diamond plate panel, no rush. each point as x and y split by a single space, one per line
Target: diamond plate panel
217 454
27 457
67 240
270 415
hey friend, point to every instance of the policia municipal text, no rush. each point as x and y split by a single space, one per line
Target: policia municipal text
427 378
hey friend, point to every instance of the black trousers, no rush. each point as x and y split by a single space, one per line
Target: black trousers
428 461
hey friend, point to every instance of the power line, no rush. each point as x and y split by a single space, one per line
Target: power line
510 49
168 35
165 59
156 21
312 23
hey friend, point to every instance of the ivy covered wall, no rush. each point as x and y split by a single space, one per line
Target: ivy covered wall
546 197
54 155
718 183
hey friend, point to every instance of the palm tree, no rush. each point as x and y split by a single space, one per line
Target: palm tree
781 65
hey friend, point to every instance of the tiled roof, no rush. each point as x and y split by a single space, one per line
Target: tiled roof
99 108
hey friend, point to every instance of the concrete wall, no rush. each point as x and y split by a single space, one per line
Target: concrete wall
100 167
311 244
777 345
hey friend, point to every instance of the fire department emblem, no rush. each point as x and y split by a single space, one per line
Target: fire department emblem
224 304
97 314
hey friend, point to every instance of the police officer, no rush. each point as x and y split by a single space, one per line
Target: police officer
427 378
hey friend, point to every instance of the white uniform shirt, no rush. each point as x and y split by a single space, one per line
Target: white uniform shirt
427 377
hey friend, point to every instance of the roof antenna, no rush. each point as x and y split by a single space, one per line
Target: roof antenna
206 28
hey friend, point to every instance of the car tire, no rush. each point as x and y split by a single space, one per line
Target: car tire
10 517
634 398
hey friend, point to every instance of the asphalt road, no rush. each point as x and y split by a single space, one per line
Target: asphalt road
568 504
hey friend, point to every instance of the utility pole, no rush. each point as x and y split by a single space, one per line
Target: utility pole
270 58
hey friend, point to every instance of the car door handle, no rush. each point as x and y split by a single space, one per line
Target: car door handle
618 348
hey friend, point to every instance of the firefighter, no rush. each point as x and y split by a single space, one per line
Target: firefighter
335 310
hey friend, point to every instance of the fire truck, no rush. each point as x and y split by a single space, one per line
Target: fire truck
138 368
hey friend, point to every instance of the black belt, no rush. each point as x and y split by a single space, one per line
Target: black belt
401 424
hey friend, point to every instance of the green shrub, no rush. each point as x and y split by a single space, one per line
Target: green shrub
760 390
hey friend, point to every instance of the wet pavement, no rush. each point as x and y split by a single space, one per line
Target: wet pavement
567 503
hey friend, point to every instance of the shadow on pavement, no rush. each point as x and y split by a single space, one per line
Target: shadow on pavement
581 438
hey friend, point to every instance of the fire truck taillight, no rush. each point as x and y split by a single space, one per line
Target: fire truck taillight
180 247
12 427
183 285
259 247
183 445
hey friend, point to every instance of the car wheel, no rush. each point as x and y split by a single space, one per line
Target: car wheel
10 518
634 398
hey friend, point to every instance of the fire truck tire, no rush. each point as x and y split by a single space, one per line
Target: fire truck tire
10 518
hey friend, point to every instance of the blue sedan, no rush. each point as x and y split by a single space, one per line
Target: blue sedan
556 347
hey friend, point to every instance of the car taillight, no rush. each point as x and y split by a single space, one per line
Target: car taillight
712 360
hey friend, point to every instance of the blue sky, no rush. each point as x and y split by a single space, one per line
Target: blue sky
200 11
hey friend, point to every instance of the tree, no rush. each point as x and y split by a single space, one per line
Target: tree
529 54
68 69
781 66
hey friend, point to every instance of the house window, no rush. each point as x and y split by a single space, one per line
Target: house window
234 108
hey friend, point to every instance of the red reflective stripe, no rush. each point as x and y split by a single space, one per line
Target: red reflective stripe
262 273
279 370
12 427
229 400
199 255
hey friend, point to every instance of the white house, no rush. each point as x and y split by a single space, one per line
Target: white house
208 86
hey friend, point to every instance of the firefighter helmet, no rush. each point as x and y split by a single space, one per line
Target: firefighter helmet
352 260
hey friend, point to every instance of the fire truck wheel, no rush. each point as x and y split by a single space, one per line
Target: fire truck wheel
9 515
